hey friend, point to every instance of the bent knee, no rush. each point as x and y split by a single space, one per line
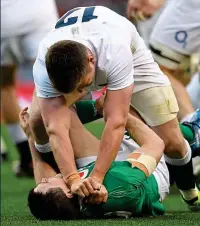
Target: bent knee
175 149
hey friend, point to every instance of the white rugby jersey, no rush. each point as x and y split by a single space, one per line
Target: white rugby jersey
21 17
178 27
119 51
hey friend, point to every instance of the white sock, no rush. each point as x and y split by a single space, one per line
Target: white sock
16 133
3 147
43 148
184 160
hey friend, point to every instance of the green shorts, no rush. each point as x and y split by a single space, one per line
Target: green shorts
129 192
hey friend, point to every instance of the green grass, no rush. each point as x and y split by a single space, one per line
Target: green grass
14 210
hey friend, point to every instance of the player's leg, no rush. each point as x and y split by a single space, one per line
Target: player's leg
10 108
173 40
160 113
186 109
193 89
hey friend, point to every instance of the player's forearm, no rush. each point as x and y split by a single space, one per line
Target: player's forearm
40 168
63 151
148 140
109 146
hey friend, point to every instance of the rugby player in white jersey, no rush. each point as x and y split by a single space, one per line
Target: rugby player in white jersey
23 25
91 47
174 40
188 98
145 20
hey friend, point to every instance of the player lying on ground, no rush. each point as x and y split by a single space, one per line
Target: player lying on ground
131 185
124 151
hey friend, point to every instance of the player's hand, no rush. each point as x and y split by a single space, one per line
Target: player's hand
24 121
143 9
85 187
98 197
99 103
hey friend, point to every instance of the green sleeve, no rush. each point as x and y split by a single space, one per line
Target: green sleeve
86 111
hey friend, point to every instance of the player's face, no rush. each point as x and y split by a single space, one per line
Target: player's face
85 85
87 81
53 182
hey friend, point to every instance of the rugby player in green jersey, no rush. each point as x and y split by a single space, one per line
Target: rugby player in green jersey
136 185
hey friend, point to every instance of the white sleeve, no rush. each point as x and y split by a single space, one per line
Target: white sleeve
120 71
43 85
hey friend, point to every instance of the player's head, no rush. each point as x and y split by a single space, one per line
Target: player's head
51 200
70 66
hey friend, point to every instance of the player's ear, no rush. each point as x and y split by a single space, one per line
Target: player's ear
91 58
80 90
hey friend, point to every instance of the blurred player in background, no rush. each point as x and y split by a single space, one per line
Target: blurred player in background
23 25
145 13
175 46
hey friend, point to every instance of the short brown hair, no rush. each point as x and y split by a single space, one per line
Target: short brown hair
53 205
66 63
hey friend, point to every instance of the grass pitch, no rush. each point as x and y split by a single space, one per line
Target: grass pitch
14 210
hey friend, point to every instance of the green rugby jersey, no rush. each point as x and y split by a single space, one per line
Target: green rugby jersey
130 193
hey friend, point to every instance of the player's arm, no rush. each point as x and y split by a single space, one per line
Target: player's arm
150 143
41 169
115 109
57 118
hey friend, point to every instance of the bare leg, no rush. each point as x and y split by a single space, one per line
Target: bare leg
184 102
10 115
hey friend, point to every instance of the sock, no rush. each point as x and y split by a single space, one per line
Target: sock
25 155
20 139
16 132
4 153
187 132
86 111
182 172
9 144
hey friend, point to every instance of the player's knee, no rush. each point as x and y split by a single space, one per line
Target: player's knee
175 148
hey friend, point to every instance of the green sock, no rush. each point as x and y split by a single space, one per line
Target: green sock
86 111
7 138
187 132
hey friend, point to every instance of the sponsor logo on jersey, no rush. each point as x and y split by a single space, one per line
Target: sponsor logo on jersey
83 173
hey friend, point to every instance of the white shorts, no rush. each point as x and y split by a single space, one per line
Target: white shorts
156 105
23 25
177 29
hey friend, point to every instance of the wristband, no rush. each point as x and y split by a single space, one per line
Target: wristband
71 179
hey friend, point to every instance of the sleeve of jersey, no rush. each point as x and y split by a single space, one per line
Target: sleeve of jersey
43 85
120 73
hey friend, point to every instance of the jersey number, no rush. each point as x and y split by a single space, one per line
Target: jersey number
87 16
